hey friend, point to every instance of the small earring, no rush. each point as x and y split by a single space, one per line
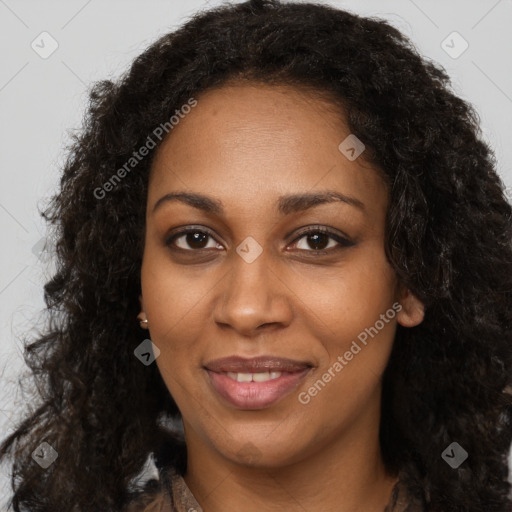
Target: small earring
144 324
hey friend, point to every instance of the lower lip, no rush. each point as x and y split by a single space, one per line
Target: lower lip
255 395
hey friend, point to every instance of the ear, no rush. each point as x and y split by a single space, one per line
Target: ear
413 310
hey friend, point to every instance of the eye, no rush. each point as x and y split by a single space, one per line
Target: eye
195 239
191 239
317 238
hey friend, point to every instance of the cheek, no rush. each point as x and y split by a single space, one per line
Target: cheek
178 305
361 326
354 314
174 299
352 298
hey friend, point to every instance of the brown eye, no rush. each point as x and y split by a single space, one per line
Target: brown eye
321 240
196 240
317 241
191 239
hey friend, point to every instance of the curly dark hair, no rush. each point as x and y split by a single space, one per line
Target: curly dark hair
448 238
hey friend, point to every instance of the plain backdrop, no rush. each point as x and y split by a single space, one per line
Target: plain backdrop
43 96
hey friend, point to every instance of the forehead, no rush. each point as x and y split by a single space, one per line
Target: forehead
247 140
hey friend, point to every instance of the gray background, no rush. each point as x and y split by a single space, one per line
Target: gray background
41 99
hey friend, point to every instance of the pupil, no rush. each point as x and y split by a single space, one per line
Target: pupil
315 238
197 240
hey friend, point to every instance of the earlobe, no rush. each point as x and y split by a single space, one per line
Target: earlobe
413 310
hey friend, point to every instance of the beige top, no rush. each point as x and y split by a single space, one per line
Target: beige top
177 497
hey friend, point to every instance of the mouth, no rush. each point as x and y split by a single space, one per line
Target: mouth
255 383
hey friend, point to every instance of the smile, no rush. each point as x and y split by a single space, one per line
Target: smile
254 390
254 377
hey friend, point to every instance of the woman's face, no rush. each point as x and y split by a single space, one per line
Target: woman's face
262 166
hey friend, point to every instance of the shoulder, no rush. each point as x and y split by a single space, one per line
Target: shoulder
407 495
170 494
159 503
157 495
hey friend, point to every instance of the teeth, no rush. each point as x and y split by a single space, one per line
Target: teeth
254 377
261 377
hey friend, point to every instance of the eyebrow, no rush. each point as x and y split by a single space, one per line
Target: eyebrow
285 204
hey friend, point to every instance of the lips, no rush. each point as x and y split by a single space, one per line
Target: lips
255 383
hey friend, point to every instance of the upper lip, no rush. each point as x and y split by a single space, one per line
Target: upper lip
238 364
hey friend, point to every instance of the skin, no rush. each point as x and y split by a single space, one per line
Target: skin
247 144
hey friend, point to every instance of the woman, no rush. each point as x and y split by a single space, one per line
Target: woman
316 245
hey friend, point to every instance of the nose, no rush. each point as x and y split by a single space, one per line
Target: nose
253 297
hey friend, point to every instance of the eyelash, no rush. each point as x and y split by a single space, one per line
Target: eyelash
342 241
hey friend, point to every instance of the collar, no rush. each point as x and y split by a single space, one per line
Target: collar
181 499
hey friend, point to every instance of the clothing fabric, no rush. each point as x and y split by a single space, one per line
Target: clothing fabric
177 497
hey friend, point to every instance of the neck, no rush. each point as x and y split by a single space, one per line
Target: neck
346 474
